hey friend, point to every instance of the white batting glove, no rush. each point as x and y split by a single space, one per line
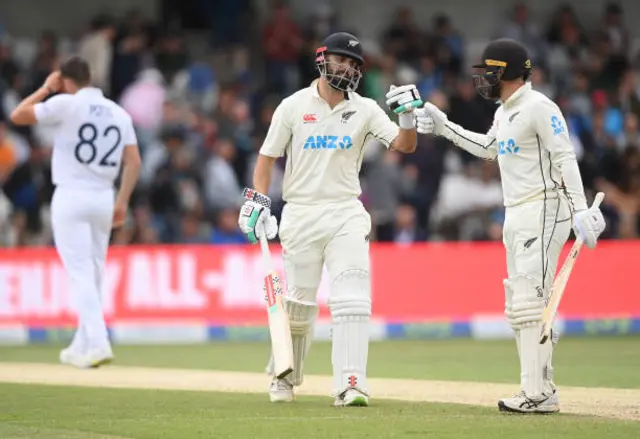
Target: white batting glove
255 215
588 225
430 119
403 100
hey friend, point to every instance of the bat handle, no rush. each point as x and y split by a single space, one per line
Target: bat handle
598 199
266 253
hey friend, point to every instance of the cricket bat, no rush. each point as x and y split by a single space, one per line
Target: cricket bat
281 344
560 283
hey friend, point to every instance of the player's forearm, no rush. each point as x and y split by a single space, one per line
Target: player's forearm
573 183
22 114
406 141
130 174
262 173
480 145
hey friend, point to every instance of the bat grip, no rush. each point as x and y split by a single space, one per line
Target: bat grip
598 199
266 253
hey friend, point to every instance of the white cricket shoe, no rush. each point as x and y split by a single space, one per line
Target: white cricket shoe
352 397
281 391
69 355
520 403
84 360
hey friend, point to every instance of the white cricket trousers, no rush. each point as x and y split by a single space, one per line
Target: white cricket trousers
81 221
534 235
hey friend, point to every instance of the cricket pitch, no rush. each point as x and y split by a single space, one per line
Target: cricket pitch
603 402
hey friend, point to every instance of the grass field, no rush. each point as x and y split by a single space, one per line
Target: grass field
179 392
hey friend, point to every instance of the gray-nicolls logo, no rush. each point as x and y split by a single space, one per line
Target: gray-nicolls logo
347 115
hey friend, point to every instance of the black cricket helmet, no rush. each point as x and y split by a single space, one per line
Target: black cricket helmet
339 76
502 60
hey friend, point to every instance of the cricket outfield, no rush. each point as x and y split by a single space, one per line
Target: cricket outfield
441 388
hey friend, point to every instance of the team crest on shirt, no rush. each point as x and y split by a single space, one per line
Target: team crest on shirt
346 116
556 125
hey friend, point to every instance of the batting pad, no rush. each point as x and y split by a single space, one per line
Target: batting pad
350 306
531 361
302 317
546 356
527 303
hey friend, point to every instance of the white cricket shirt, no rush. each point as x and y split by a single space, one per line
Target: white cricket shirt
91 133
324 146
530 139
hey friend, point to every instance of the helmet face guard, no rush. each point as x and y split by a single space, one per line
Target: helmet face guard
339 76
487 84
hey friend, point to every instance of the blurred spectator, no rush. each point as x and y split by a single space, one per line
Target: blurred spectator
171 55
521 27
202 112
96 48
407 230
282 41
403 39
226 230
222 188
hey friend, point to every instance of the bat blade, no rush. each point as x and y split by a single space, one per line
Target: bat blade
557 291
279 330
560 283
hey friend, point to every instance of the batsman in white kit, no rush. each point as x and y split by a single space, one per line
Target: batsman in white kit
94 137
543 196
323 129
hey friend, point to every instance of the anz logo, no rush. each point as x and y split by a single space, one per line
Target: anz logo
508 147
328 142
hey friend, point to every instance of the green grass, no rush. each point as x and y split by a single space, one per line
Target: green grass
588 362
30 411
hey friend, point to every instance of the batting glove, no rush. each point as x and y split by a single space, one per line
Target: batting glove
588 225
430 119
402 101
255 215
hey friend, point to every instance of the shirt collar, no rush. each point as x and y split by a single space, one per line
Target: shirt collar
316 94
518 94
89 91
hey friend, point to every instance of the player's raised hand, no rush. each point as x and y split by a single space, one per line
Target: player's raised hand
403 99
53 82
430 119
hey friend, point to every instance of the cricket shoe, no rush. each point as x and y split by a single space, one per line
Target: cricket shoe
520 403
281 391
352 397
91 358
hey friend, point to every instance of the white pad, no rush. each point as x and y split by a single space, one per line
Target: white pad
302 317
527 303
546 355
350 306
524 314
530 361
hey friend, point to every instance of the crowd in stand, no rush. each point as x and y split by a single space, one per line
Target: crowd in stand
200 126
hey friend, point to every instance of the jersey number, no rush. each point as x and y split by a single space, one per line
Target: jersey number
88 134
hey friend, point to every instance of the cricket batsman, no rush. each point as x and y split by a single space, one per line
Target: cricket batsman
322 130
543 197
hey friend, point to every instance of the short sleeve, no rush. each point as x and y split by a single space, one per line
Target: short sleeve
382 127
54 109
130 137
279 133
